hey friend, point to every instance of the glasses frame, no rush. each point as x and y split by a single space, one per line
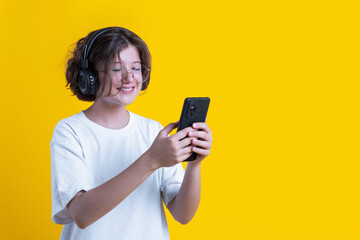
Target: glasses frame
126 72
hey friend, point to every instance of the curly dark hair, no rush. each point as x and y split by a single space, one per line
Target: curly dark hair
103 51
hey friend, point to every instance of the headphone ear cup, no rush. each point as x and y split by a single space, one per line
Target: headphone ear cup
88 82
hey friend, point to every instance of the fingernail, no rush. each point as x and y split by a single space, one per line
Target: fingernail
194 125
191 133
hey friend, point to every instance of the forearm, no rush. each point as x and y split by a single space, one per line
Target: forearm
184 206
88 207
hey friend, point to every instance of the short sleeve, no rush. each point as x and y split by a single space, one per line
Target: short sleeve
172 178
69 171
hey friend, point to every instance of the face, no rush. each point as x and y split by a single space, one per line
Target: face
125 74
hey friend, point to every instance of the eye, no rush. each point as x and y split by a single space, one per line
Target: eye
116 69
136 69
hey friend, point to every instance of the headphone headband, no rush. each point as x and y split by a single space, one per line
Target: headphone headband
87 48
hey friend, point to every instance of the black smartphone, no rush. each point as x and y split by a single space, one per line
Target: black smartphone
194 110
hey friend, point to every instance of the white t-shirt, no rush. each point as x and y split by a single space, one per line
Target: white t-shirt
84 155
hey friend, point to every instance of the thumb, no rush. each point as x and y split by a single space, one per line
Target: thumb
167 130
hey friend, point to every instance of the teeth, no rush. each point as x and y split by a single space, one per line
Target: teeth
126 89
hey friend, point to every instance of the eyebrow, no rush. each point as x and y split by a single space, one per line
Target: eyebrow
132 62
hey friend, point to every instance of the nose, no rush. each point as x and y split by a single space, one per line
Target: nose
125 75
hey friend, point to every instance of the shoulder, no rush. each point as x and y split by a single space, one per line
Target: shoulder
68 126
74 119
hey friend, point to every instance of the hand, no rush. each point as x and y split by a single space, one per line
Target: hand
167 151
200 140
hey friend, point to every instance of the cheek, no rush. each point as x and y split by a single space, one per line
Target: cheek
106 86
115 78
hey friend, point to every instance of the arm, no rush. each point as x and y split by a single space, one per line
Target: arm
87 207
183 207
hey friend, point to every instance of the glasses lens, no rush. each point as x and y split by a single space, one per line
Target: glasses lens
140 73
144 72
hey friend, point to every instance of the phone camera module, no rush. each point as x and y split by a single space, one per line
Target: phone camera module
191 110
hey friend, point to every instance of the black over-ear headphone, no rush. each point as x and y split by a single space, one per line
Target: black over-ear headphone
88 78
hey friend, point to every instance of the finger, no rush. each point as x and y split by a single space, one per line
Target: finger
185 142
185 157
185 150
185 153
182 134
201 144
200 151
200 134
203 126
167 130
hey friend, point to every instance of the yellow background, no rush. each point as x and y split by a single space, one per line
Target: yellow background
283 77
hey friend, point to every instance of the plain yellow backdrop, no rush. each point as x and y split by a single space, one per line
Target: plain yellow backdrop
283 78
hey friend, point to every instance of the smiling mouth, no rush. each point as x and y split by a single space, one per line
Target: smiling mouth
126 89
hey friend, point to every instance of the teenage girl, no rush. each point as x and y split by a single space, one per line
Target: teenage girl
112 169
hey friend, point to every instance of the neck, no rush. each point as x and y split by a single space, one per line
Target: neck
108 116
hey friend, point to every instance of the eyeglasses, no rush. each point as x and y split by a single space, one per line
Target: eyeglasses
140 73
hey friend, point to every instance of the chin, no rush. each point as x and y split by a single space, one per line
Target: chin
122 97
125 99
